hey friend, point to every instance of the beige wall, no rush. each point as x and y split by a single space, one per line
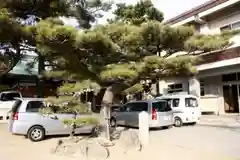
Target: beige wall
214 26
213 99
163 84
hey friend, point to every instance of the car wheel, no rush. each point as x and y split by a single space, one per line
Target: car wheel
178 122
36 133
113 122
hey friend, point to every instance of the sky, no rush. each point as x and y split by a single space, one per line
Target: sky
170 8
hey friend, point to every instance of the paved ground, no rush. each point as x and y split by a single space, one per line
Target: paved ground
212 142
230 121
186 143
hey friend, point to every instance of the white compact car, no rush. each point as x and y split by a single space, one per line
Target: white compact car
185 108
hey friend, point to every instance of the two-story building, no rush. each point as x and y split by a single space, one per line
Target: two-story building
218 82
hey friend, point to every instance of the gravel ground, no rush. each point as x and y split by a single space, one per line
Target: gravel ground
186 143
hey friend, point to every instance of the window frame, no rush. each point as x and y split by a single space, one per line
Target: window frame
137 105
229 77
190 98
168 100
178 102
235 24
129 107
226 28
126 108
170 108
230 26
173 88
122 109
171 100
202 88
32 110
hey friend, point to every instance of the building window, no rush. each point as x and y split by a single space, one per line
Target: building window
238 76
236 25
202 90
225 28
34 106
174 88
229 27
229 77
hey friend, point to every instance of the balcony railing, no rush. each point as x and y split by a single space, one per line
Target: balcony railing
219 55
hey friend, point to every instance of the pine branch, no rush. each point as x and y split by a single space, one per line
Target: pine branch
79 87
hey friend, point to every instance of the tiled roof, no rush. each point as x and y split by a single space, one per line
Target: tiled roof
194 11
22 67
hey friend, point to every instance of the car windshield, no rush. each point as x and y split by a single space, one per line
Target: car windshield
191 102
161 106
34 106
10 96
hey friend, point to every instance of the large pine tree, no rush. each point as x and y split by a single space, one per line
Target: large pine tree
117 56
17 17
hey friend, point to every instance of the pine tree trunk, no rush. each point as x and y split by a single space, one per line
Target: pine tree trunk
107 102
73 126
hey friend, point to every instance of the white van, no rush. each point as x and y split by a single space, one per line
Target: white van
7 100
185 108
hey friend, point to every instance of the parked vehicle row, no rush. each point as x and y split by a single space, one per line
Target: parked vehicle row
163 111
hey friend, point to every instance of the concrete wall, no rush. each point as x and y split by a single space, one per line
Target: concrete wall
212 101
219 71
163 84
194 86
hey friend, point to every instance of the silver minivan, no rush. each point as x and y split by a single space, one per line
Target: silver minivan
160 114
26 120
